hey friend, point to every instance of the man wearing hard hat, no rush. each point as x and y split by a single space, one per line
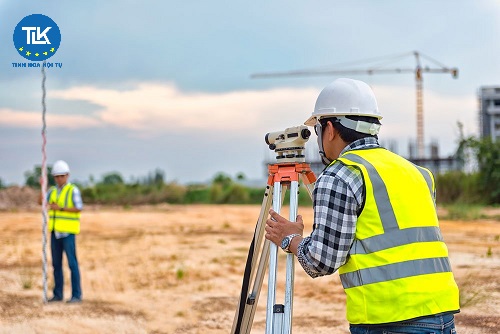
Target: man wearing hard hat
65 204
375 221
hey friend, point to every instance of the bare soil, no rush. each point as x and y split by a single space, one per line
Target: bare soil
178 269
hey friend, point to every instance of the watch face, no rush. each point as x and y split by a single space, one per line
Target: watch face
285 242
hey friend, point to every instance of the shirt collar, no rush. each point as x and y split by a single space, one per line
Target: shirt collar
367 142
59 188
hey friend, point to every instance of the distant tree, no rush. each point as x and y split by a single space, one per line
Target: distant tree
240 176
157 177
487 154
33 177
222 179
154 178
2 185
112 178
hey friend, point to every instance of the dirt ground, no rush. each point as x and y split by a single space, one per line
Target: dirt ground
178 269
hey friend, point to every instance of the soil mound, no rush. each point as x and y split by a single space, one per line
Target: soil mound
16 197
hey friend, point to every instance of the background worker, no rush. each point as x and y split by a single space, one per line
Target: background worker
375 221
65 204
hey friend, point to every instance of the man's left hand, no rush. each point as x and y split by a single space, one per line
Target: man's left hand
54 206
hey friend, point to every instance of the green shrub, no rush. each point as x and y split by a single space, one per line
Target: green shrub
456 186
216 193
236 194
256 195
221 191
174 193
89 195
197 194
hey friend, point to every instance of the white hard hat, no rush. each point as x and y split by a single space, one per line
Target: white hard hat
345 97
60 168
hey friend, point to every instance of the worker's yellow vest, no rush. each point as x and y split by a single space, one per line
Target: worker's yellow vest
63 221
398 266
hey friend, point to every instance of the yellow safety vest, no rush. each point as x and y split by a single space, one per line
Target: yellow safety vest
63 221
398 266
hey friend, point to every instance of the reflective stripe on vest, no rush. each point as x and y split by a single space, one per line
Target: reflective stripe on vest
396 270
398 248
63 221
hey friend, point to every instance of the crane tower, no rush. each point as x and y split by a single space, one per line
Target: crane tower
379 68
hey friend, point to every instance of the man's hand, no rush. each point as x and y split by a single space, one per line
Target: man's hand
54 206
278 227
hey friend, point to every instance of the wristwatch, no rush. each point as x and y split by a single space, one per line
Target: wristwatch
287 241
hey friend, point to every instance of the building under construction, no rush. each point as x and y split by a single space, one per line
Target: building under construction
431 160
489 112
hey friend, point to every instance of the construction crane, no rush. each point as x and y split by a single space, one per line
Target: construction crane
379 68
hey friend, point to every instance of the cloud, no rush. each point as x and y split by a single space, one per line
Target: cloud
151 108
154 108
30 119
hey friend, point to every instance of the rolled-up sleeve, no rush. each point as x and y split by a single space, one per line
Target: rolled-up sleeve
77 198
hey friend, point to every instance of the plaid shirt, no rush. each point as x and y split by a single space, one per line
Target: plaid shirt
338 197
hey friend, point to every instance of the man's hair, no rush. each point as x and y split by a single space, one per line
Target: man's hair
349 135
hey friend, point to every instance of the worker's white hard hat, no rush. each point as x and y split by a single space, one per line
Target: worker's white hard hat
60 168
346 97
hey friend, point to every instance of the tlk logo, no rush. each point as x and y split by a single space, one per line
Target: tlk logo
34 36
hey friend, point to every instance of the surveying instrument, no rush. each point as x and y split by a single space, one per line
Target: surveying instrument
289 146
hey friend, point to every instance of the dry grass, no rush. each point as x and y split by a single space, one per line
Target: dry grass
178 269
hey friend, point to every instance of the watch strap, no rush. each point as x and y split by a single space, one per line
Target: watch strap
290 238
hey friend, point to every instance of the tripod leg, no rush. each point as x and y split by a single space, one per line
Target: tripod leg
248 300
271 323
309 186
279 316
290 263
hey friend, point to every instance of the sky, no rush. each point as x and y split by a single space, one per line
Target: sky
167 84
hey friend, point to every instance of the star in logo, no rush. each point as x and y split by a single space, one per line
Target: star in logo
21 48
45 53
37 54
28 53
52 50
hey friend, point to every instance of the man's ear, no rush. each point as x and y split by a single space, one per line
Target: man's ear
331 132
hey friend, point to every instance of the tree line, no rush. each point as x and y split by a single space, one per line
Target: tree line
112 189
480 186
